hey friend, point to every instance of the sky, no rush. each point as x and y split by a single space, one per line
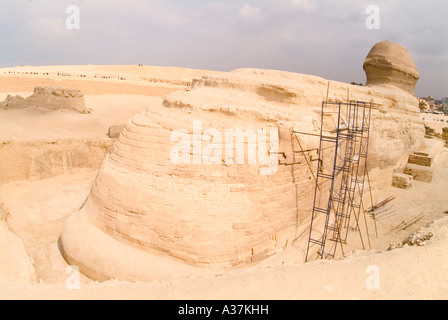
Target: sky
326 38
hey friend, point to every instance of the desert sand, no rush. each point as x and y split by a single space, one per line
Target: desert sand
38 196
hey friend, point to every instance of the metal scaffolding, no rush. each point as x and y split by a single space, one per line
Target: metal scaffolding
341 175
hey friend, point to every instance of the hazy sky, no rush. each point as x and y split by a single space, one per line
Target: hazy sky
327 38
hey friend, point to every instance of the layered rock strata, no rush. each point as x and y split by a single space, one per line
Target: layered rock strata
389 63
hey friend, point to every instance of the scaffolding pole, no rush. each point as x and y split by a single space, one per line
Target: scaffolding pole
343 151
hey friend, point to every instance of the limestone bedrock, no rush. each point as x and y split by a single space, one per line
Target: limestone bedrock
225 215
50 98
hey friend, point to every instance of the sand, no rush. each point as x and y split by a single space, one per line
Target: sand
39 208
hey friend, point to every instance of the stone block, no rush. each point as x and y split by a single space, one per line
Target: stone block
115 131
402 181
420 159
445 134
422 154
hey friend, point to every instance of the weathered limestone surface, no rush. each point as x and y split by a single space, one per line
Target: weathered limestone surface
115 131
4 212
420 159
391 64
420 173
445 134
15 262
35 160
50 98
226 215
402 181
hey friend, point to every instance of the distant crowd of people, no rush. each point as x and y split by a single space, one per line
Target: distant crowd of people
35 73
63 74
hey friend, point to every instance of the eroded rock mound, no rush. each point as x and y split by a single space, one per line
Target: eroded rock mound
50 98
390 63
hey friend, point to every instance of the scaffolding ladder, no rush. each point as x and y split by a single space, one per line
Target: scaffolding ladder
340 185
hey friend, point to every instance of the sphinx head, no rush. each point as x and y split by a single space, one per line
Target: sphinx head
389 63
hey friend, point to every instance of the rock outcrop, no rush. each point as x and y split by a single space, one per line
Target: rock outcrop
115 131
36 160
49 98
175 185
15 262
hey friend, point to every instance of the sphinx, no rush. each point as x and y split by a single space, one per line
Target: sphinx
148 217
